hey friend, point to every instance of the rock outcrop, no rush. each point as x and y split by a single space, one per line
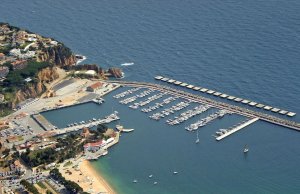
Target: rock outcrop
58 55
115 72
37 87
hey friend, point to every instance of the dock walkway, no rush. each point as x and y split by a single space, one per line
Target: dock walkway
237 129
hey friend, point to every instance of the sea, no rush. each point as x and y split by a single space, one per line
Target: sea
249 49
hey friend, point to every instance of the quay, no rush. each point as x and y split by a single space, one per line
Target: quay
43 122
60 131
97 100
217 104
107 119
228 97
235 129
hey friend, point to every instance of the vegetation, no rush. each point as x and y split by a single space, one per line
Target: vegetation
48 192
71 186
41 184
102 128
5 49
29 187
68 163
15 79
70 147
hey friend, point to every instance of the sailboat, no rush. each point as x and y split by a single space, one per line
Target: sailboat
197 140
246 149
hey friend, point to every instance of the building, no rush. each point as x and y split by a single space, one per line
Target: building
3 71
94 86
21 55
94 146
19 64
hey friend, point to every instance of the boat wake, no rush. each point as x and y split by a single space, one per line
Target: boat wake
127 64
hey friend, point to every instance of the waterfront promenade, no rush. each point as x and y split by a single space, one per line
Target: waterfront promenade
221 105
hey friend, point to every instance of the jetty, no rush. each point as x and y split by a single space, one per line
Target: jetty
235 129
76 127
228 97
217 104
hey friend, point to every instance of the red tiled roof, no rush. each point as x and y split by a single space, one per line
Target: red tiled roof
96 85
95 144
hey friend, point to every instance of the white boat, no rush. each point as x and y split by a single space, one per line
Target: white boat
246 149
197 140
134 181
150 176
155 183
175 172
128 130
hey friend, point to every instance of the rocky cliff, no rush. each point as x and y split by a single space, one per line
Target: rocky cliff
57 55
115 72
37 87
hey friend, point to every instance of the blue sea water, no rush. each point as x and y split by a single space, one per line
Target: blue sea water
248 49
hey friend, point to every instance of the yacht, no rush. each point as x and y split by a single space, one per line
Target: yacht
246 149
134 181
150 176
175 172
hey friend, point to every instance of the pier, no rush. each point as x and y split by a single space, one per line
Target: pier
217 104
107 119
228 97
235 129
76 127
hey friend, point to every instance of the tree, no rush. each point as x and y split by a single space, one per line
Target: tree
6 151
29 186
102 128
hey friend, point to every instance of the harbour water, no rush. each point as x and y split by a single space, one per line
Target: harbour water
246 49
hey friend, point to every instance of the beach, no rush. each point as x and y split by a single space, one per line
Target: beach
90 180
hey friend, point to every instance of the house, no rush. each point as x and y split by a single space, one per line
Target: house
3 71
94 87
20 54
19 64
28 79
94 146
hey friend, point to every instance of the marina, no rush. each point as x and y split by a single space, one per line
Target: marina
147 101
135 97
231 98
168 111
188 114
220 105
206 120
159 104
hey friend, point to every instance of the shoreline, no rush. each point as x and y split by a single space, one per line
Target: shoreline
87 168
84 174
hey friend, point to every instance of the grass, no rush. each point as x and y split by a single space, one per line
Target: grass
41 184
68 163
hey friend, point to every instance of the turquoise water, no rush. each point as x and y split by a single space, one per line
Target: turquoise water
244 48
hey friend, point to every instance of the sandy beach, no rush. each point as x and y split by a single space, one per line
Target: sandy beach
90 180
